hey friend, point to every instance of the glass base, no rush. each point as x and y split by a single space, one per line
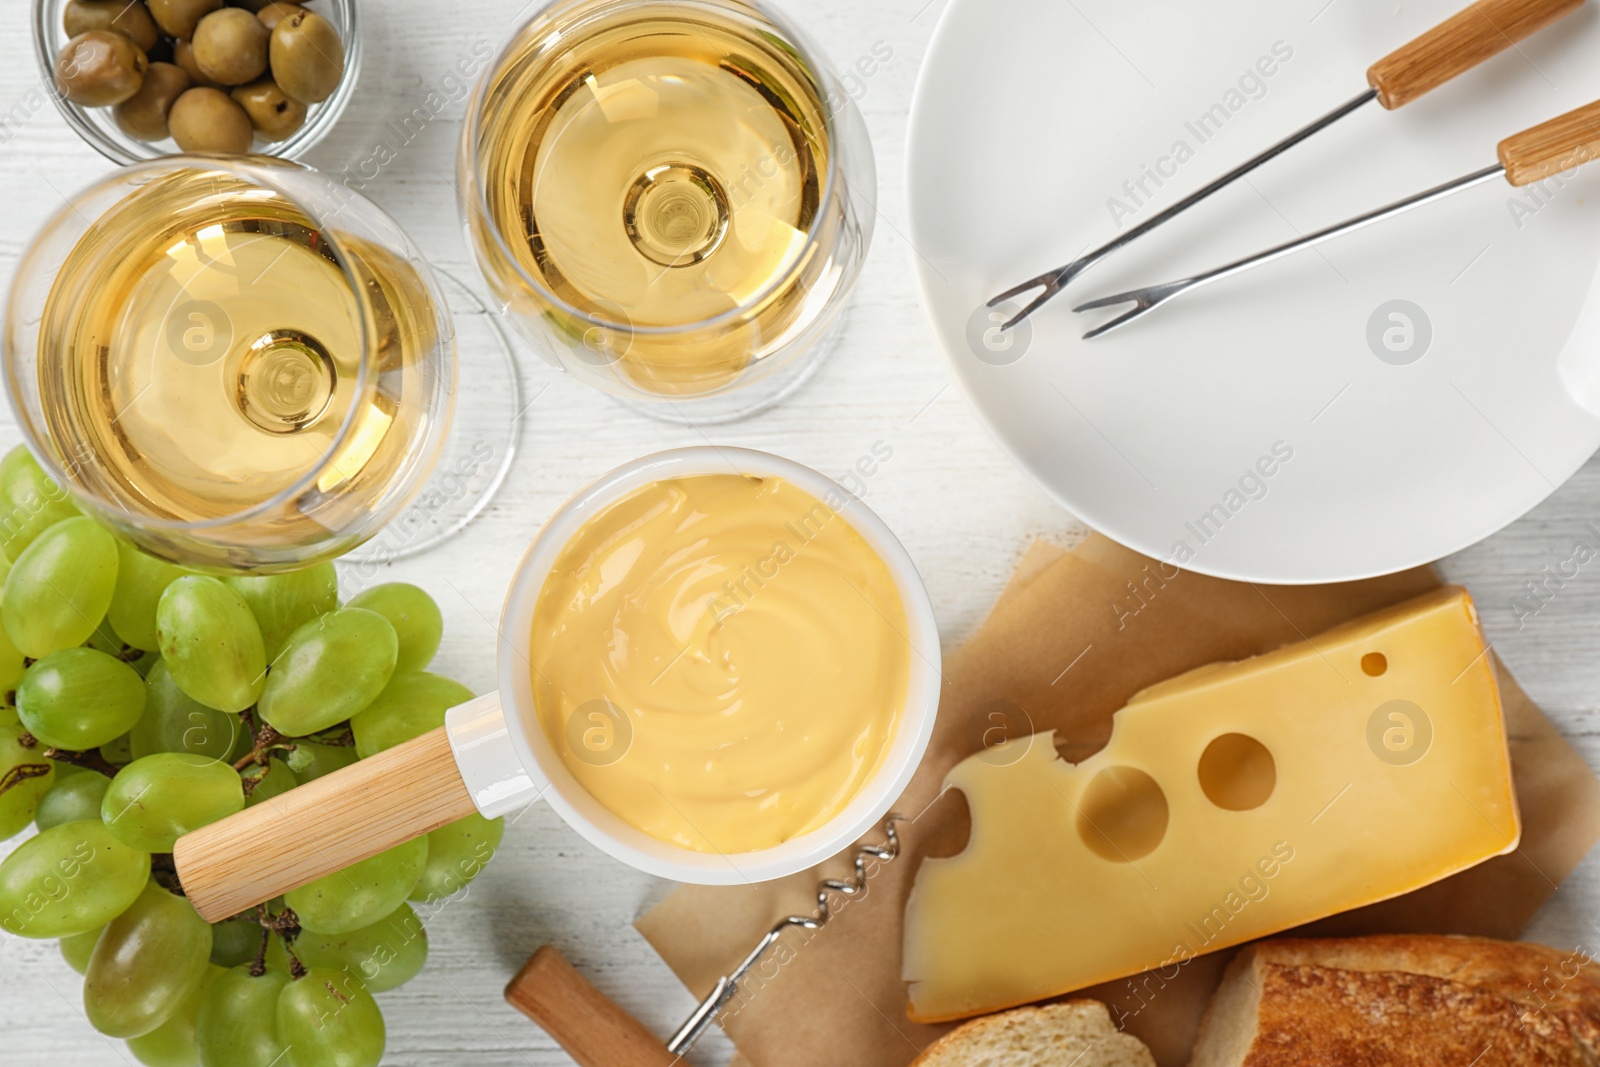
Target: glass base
484 434
744 400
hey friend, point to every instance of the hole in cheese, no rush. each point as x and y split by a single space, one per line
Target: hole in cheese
1122 815
1237 773
1374 664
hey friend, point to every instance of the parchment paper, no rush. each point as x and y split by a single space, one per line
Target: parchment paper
1074 635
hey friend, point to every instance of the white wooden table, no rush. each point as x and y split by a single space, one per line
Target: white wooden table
963 511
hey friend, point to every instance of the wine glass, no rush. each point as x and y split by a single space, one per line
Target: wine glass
238 364
670 198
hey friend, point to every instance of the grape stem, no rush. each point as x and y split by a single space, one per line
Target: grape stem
258 966
264 742
90 759
286 924
341 736
21 773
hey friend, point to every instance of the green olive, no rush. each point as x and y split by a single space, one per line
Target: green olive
143 116
178 18
183 56
133 20
307 57
275 113
275 12
230 46
100 68
208 120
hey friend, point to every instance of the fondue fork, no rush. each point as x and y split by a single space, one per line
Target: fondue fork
1557 146
1450 49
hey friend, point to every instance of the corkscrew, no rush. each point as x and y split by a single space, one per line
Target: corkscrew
596 1032
727 987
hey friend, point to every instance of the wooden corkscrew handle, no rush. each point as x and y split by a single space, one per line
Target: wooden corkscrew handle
1554 147
1460 43
323 826
593 1028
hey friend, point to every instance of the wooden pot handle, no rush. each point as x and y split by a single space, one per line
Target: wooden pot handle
1460 43
593 1028
320 827
1554 147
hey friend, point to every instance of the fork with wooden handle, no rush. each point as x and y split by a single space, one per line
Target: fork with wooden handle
1553 148
1450 49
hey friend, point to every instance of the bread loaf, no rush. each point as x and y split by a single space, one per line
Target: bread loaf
1403 1000
1077 1033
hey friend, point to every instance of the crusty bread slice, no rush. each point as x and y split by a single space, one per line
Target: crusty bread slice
1400 1000
1077 1033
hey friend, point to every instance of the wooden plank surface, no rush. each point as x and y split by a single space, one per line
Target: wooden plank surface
965 513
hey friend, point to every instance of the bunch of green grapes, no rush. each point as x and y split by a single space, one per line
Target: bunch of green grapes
143 701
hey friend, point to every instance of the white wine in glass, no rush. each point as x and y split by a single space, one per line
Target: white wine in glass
239 364
669 198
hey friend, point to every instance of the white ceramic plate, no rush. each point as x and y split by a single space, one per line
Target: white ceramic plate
1283 426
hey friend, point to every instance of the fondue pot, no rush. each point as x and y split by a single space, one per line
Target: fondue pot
493 756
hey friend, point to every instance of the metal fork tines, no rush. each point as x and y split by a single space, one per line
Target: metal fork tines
1053 281
1151 297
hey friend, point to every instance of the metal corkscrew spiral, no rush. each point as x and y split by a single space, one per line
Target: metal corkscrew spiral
728 986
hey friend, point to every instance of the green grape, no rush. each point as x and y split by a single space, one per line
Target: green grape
30 502
409 706
104 639
141 579
69 879
277 956
148 962
145 663
326 1019
211 643
282 603
77 948
331 668
172 1043
360 894
457 853
238 1021
235 941
78 698
276 782
19 803
71 799
60 587
119 750
384 956
12 662
176 722
310 761
156 800
415 618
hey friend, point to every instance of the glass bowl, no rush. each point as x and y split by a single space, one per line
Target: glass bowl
99 129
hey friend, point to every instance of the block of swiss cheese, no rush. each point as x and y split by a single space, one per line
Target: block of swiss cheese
1232 802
